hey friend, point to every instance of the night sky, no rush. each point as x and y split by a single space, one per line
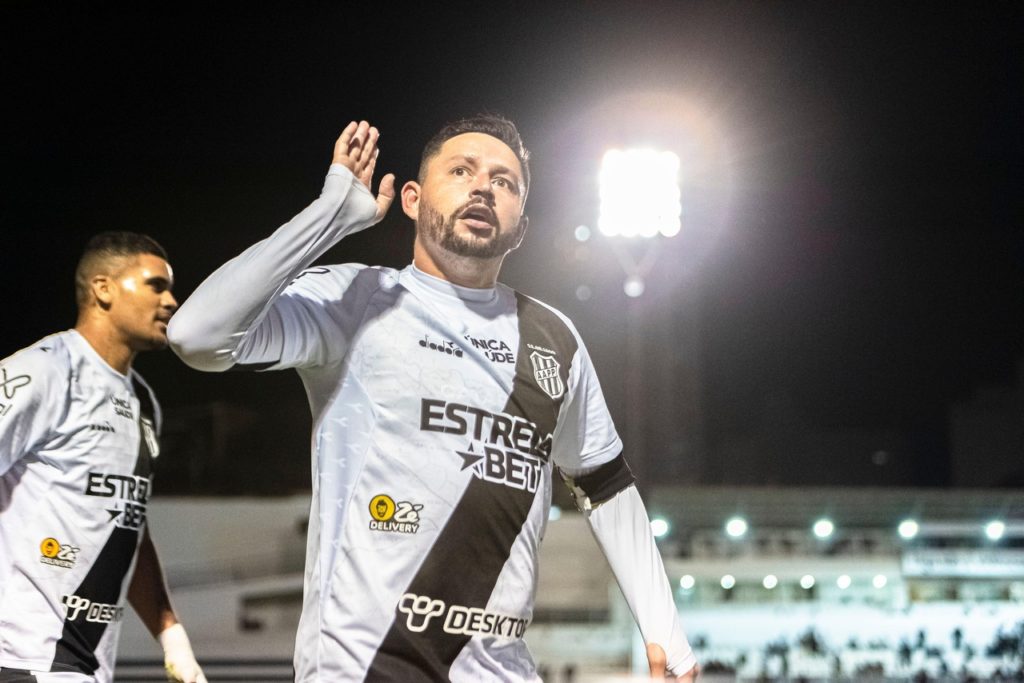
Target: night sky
852 254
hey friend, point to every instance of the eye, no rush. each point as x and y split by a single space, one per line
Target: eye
460 171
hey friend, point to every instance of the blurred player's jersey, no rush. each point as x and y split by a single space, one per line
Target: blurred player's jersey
77 441
438 413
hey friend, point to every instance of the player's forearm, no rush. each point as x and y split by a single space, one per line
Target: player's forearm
623 532
210 325
147 591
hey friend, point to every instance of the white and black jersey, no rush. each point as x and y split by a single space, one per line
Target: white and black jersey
439 413
77 440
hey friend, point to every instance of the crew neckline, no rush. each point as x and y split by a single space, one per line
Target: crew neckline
441 286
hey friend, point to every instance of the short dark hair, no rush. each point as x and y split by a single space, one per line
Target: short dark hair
106 247
489 124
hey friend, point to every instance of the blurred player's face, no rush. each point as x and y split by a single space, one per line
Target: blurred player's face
141 303
471 201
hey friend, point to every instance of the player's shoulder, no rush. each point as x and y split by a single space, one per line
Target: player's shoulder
331 281
51 356
41 369
544 312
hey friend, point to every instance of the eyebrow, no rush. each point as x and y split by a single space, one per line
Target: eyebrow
475 160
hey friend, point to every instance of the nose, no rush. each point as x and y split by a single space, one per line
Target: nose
169 301
482 187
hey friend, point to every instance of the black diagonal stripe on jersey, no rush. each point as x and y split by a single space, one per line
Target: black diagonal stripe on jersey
76 649
463 565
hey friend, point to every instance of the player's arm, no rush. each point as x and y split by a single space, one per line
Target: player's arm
588 453
623 532
226 317
148 594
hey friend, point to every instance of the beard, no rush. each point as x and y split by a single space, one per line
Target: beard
441 230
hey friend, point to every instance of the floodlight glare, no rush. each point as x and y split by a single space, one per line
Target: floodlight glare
554 513
582 233
879 581
770 581
659 527
736 527
844 582
823 528
633 286
995 530
908 529
728 581
639 193
807 582
687 582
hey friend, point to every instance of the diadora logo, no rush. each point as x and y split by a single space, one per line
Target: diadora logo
104 427
76 606
495 350
122 407
387 515
444 346
58 554
130 494
503 449
459 620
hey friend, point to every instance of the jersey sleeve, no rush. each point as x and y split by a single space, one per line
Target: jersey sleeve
586 438
623 532
33 392
245 312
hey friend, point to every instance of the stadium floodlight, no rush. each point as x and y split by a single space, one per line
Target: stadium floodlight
687 582
995 530
908 529
554 513
844 582
879 581
736 527
824 528
639 193
807 582
728 581
659 527
770 581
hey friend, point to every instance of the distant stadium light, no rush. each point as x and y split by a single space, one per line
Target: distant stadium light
995 530
633 286
844 582
908 529
687 582
728 581
554 514
639 192
807 582
770 581
659 527
823 528
879 581
736 527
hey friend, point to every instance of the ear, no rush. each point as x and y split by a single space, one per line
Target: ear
102 287
411 199
524 223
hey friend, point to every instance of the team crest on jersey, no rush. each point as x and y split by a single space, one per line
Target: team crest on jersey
149 434
545 371
58 554
387 515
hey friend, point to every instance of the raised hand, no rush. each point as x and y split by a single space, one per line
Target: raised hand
356 149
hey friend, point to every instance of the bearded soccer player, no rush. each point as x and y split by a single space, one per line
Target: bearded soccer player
78 434
442 403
